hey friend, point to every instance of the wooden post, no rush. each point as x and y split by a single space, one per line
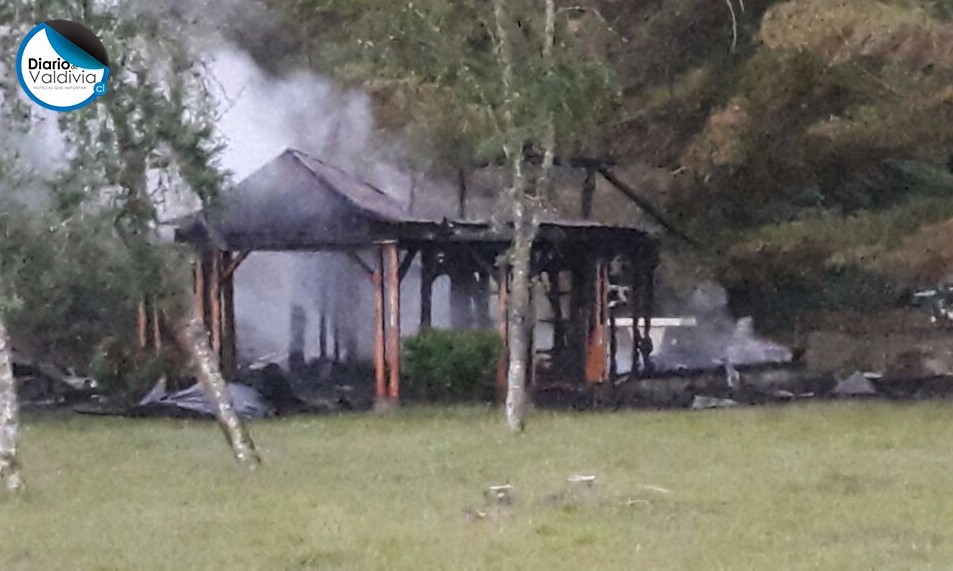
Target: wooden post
461 195
636 307
588 192
229 345
462 287
323 334
554 295
156 329
613 348
596 355
142 325
336 339
580 301
380 382
481 300
502 363
393 320
647 309
215 302
199 270
426 288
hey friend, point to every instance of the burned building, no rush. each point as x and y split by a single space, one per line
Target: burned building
297 203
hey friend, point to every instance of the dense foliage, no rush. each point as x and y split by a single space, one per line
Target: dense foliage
451 365
763 129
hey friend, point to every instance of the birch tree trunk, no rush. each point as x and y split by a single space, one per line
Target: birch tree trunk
547 189
193 339
10 477
518 333
524 232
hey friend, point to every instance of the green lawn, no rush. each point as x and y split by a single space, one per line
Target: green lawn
822 485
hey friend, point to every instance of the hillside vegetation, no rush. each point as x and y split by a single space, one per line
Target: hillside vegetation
808 143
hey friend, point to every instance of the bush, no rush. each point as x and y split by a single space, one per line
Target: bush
71 293
120 368
452 365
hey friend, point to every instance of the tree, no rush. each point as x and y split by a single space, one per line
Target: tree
144 148
15 120
495 85
10 477
151 142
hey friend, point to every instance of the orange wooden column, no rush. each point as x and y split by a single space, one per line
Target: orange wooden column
229 347
215 302
393 320
142 325
502 363
156 329
596 371
199 270
380 380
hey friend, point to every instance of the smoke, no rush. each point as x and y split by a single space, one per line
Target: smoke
260 116
716 337
38 151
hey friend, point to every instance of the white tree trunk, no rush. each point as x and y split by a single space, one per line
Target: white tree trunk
193 338
547 190
518 331
518 301
10 477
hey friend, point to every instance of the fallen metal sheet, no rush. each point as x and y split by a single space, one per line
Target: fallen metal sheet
247 402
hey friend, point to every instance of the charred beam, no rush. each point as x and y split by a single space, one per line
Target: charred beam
406 262
352 255
215 301
588 193
645 205
231 265
229 348
461 194
199 293
426 288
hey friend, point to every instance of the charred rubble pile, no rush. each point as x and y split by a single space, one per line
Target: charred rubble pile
727 386
257 391
316 387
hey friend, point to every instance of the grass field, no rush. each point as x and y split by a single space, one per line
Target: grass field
822 485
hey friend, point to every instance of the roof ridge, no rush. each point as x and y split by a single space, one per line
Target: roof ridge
390 201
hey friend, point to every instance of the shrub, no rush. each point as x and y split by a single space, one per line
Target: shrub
452 365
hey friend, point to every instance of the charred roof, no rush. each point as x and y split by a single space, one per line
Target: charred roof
298 202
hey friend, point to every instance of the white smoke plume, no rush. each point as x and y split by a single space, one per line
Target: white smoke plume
717 337
261 115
